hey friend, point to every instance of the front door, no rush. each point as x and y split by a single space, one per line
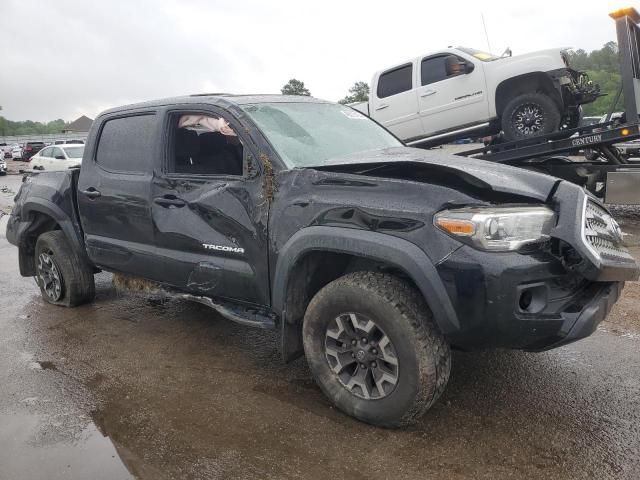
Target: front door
209 214
450 101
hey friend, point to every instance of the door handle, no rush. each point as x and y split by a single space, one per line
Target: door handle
91 192
169 201
427 93
382 107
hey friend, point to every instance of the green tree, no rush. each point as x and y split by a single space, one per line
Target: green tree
609 84
28 127
359 92
295 87
603 67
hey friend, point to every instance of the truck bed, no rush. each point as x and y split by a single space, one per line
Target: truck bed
51 196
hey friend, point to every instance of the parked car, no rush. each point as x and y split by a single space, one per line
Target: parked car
60 157
64 142
16 152
306 216
6 152
30 149
462 92
3 167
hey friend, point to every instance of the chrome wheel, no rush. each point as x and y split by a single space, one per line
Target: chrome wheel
49 277
362 356
528 119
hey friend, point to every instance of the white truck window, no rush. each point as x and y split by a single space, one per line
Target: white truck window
433 70
395 81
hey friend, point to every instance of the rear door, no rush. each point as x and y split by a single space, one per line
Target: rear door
114 193
450 101
394 103
209 213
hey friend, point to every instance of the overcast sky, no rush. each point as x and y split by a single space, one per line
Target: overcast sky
64 58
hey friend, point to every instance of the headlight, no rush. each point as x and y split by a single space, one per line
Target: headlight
497 229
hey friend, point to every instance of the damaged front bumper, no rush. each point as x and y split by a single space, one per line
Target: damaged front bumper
580 88
525 302
591 309
545 297
576 87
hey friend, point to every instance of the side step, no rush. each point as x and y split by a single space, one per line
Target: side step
249 316
245 315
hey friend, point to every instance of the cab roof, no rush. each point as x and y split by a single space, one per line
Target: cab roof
220 99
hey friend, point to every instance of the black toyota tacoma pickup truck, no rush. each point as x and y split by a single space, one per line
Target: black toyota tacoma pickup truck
371 258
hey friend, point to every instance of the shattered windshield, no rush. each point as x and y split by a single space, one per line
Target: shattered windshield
308 134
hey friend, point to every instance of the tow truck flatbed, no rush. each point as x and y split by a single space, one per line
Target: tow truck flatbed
611 176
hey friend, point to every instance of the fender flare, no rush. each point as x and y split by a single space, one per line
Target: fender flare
46 207
373 245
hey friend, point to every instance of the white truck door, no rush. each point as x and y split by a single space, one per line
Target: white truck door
394 102
448 101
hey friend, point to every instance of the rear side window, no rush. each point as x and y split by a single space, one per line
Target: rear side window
395 81
125 144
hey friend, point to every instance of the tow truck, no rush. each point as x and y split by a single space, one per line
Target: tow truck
612 176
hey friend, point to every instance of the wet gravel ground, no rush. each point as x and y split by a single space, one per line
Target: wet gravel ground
135 386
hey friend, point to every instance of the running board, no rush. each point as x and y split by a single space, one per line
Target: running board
249 316
242 314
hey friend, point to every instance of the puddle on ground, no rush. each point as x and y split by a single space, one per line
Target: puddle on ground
27 451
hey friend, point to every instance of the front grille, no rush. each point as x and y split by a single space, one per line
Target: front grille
603 235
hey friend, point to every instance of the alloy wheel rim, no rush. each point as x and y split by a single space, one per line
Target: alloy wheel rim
361 356
49 276
528 119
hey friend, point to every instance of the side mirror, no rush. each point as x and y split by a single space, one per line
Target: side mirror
456 66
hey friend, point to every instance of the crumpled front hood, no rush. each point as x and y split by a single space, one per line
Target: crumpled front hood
480 173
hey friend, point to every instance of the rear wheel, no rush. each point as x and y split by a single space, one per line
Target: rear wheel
530 115
374 350
63 277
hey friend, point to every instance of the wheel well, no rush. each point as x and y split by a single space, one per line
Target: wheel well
536 82
316 269
39 224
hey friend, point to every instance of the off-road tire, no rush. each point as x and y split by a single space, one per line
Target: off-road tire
424 357
550 112
78 285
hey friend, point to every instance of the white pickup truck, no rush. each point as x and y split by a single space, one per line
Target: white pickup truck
462 92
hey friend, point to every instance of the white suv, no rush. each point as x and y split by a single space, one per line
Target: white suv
462 92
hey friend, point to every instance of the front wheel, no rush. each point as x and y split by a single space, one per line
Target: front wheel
63 277
530 115
374 350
